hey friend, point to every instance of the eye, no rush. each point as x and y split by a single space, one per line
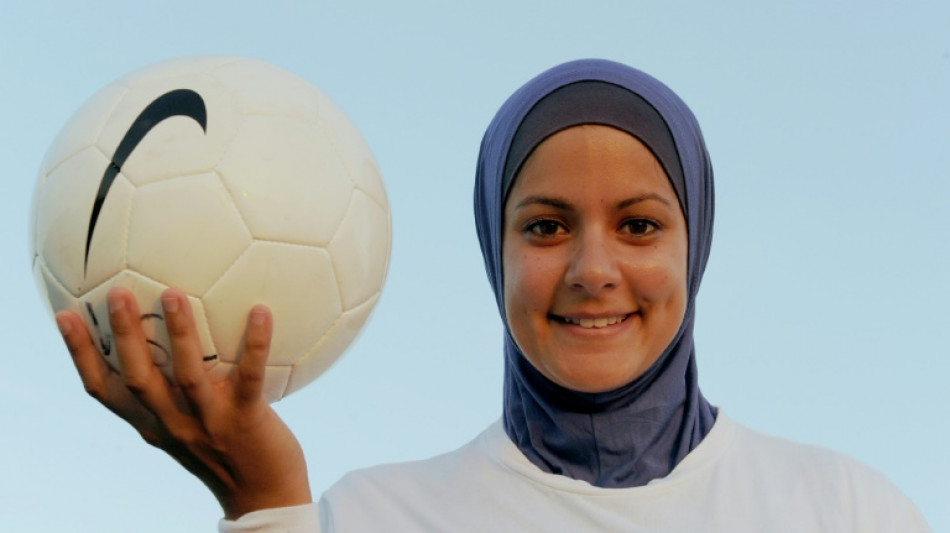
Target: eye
544 227
639 226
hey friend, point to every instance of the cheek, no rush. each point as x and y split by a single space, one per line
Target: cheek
515 294
523 283
530 283
661 281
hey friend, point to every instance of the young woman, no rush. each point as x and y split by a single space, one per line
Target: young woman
594 208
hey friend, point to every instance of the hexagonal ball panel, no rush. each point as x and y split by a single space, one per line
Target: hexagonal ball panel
55 296
177 68
360 250
185 232
353 151
175 144
83 128
261 88
331 347
275 380
287 180
63 207
298 285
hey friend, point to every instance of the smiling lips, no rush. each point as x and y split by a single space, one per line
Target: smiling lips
593 323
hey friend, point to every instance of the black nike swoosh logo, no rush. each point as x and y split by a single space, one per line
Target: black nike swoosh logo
180 102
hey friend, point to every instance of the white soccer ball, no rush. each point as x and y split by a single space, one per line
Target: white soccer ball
233 180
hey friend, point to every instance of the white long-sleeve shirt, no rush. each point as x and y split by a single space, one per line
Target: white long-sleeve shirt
736 480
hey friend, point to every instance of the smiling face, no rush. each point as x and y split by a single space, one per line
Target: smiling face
594 258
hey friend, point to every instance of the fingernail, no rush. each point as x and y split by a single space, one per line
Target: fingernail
116 303
170 304
258 317
63 325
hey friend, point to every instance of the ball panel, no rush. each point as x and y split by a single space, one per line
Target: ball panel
298 285
265 89
83 128
56 297
275 382
174 69
275 379
187 134
331 346
360 250
35 209
354 152
368 180
185 232
63 222
209 351
148 294
287 180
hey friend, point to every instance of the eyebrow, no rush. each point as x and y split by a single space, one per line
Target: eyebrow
545 200
563 205
643 198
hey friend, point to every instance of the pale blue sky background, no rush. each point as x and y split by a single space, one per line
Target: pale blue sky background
823 314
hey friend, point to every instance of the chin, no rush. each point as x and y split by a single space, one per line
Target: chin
592 384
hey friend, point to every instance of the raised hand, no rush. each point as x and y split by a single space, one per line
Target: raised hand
223 432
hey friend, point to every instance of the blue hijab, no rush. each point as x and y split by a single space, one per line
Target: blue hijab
641 431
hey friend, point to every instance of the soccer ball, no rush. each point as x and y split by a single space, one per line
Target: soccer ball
232 180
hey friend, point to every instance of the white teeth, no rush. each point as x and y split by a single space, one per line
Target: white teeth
595 322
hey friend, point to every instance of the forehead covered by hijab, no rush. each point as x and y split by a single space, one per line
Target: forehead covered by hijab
594 92
594 102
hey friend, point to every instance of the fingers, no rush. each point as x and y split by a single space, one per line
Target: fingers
138 371
250 371
187 359
141 380
100 381
92 368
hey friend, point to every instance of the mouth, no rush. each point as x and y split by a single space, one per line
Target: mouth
592 323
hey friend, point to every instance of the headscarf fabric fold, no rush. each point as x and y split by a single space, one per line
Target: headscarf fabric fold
639 432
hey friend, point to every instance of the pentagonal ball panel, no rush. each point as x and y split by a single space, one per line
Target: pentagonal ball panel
147 293
298 285
148 297
185 232
287 180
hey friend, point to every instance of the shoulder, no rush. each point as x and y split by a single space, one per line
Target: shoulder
803 461
413 480
834 485
434 471
401 496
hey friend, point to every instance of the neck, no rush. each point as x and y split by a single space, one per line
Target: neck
622 438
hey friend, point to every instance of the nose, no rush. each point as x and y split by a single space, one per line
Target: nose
593 267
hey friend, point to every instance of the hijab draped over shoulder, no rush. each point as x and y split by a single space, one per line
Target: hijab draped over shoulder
641 431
